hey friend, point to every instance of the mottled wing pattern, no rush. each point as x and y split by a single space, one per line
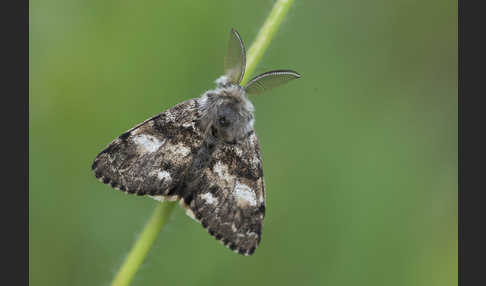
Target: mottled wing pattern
166 157
230 202
152 157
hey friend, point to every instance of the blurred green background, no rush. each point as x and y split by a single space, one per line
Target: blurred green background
360 154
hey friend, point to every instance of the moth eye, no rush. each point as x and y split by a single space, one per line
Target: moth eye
223 122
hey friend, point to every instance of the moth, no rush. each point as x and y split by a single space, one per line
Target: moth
203 153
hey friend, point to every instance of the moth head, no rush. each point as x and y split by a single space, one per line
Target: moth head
228 115
226 111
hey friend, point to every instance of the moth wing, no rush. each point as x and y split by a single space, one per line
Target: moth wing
269 80
235 59
152 157
230 202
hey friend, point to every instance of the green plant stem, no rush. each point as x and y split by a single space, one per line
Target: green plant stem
265 36
141 247
162 212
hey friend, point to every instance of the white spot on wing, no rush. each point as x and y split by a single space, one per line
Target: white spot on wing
188 124
148 143
164 175
222 171
164 198
238 150
183 150
179 149
244 195
209 198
